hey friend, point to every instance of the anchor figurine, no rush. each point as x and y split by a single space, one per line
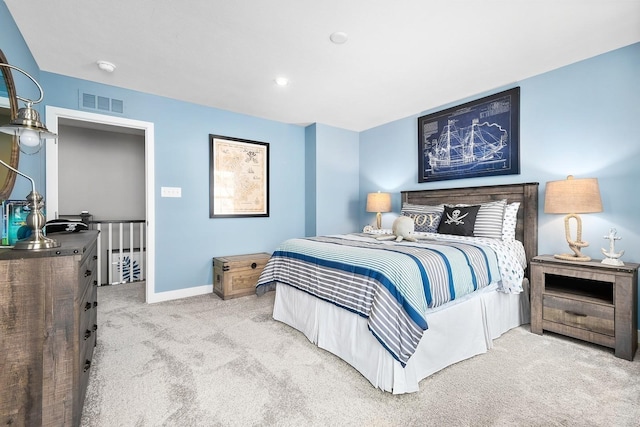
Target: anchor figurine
612 257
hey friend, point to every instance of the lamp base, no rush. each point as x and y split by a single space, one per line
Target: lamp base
35 242
574 245
570 257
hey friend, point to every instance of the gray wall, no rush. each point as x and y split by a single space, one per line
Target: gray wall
101 172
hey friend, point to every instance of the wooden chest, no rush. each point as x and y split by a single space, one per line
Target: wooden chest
237 276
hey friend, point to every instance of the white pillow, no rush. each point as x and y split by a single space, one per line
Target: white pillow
510 220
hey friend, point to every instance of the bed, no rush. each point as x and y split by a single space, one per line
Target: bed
424 333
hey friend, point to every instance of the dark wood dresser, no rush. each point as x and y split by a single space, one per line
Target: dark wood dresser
48 323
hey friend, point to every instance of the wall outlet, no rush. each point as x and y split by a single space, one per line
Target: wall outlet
170 192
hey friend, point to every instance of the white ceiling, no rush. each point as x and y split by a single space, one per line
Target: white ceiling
402 57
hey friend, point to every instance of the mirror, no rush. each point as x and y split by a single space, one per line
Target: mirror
9 150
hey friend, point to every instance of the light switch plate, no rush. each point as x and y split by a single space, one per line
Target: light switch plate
170 192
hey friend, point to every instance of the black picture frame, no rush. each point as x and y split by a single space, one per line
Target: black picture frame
474 139
238 177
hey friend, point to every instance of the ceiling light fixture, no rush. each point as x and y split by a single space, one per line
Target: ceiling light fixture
339 37
282 81
106 66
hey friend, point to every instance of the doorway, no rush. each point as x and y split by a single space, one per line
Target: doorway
55 118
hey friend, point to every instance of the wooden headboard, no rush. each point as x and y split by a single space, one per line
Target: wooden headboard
526 194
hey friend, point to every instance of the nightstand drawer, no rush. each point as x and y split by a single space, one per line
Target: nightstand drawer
597 318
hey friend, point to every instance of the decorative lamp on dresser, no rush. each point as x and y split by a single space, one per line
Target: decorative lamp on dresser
48 325
587 300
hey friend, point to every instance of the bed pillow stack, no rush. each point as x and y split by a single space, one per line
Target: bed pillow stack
495 220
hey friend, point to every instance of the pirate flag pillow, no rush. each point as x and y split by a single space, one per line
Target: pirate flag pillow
458 220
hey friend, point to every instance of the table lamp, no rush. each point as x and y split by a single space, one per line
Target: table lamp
29 131
572 197
379 202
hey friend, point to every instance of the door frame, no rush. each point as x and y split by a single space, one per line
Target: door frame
53 115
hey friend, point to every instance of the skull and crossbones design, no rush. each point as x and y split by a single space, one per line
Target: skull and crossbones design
455 217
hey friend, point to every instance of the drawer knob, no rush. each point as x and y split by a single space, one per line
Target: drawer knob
95 327
253 265
574 313
87 334
95 257
95 303
87 365
87 306
95 283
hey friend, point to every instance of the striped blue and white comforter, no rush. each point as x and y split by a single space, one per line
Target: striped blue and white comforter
392 285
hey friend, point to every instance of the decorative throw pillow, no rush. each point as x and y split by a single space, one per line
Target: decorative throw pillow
458 220
426 222
489 220
510 221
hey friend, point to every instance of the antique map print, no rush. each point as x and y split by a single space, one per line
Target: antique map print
239 178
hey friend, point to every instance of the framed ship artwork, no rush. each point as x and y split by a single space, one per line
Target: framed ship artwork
475 139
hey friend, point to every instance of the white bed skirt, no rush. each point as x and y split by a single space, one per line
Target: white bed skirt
457 331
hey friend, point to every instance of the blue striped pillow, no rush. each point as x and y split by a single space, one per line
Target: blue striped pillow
489 219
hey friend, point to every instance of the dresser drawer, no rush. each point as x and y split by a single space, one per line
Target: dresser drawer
87 272
88 316
598 318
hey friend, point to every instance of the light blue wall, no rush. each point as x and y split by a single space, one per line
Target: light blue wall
310 180
15 49
581 120
186 238
337 180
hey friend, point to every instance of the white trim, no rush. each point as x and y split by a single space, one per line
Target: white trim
180 293
53 114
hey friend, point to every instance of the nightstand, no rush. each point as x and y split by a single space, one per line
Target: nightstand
590 301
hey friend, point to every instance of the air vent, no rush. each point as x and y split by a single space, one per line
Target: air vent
89 101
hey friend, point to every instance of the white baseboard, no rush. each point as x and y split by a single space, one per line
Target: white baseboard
180 293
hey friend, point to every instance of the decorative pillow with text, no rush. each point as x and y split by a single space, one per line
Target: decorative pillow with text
426 222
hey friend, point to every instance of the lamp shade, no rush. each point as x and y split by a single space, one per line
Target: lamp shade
573 196
378 202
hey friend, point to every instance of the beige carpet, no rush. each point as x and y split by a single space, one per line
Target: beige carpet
202 361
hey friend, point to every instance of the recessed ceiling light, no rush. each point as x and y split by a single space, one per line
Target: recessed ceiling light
282 81
106 66
339 37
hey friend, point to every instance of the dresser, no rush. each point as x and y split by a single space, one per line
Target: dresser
589 300
48 326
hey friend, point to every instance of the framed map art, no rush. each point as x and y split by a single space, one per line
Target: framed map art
238 178
478 138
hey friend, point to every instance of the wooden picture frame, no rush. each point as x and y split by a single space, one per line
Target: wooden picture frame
238 177
478 138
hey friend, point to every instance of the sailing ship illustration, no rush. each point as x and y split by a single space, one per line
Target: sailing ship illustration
465 148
